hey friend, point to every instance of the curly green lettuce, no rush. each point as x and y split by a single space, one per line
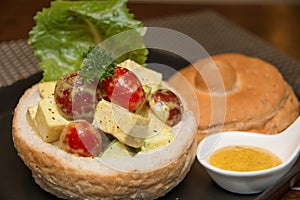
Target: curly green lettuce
68 28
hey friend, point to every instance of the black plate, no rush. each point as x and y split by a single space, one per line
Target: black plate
217 35
17 183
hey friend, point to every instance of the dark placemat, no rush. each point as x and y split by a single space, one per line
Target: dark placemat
17 62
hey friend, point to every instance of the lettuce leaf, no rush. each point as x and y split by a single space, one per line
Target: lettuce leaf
67 28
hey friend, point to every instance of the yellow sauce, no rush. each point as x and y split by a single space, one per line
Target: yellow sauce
244 158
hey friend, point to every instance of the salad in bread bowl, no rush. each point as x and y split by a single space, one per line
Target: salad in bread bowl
77 164
109 130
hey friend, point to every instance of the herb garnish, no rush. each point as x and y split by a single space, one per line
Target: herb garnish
98 64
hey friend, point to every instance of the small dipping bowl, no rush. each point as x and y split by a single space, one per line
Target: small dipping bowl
285 145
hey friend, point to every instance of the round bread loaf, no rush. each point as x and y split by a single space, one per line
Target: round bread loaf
72 177
256 97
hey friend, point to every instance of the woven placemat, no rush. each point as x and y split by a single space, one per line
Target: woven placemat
213 31
17 62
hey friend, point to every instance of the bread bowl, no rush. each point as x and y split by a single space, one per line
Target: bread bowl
147 175
255 95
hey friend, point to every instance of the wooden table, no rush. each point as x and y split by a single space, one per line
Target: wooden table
276 24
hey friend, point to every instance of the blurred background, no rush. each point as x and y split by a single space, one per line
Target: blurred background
220 1
276 21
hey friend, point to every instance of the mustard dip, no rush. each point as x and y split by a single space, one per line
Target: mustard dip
243 158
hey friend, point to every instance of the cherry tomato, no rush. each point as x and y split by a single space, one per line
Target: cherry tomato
167 106
76 99
81 138
124 89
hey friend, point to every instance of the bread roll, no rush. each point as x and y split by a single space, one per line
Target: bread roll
256 97
73 177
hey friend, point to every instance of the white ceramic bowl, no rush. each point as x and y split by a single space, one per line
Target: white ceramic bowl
254 181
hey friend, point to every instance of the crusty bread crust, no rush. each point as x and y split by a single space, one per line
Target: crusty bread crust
257 98
72 177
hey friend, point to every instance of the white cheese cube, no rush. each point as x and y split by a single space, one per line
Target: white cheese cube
47 88
48 121
160 134
162 138
129 128
145 75
31 112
